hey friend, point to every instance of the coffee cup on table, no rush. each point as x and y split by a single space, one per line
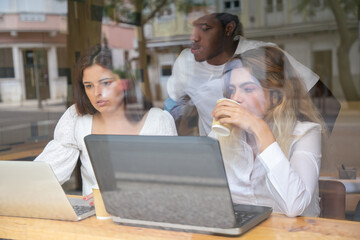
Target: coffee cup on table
100 210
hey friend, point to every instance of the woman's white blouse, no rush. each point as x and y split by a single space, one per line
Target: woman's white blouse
289 186
63 151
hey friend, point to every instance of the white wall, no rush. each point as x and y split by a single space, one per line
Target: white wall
34 6
60 86
10 90
301 51
53 71
165 59
118 58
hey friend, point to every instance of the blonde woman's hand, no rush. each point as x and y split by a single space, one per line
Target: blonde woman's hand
228 112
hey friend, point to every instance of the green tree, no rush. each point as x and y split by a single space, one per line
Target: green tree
139 13
341 9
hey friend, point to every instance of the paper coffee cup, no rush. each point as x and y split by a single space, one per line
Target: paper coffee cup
222 129
100 210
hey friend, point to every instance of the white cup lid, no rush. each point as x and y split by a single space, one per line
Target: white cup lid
227 99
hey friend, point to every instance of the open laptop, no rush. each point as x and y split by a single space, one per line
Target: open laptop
30 189
169 182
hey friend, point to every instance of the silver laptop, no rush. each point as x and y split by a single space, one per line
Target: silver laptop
30 189
169 182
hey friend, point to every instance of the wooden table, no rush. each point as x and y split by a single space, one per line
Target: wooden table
276 227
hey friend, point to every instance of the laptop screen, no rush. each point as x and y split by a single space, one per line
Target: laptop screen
171 179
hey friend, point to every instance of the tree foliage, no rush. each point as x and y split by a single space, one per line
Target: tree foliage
310 6
343 11
138 13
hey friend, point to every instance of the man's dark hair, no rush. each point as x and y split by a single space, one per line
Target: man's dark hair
226 18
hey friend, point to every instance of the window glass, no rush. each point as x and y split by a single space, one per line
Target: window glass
269 6
279 5
166 70
6 63
61 60
231 5
41 41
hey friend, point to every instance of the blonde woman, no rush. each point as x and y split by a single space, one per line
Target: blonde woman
273 154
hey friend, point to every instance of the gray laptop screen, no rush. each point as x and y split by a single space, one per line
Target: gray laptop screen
177 180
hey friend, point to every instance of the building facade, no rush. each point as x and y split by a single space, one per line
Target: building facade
33 35
312 39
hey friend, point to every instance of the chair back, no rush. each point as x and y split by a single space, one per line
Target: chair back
332 199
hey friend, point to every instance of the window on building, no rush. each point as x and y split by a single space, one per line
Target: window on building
166 70
269 6
274 5
232 5
6 63
63 71
323 67
279 5
166 13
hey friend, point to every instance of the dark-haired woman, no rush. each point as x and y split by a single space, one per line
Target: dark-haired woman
100 108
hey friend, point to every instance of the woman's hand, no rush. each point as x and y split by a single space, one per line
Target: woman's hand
228 112
89 198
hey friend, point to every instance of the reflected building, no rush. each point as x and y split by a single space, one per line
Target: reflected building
33 49
311 39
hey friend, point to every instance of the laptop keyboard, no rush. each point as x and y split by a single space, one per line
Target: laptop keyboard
243 217
79 206
79 210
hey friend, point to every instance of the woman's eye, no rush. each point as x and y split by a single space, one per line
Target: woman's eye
249 89
106 83
87 86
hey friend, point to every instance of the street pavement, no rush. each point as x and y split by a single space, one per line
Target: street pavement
27 123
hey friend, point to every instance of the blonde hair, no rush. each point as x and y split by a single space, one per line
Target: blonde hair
290 100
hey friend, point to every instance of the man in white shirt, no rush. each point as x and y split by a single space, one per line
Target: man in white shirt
213 45
197 71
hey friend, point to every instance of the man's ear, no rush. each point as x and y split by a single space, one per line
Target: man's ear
230 28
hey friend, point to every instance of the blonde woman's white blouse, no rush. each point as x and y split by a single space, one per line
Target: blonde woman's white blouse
63 151
288 185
